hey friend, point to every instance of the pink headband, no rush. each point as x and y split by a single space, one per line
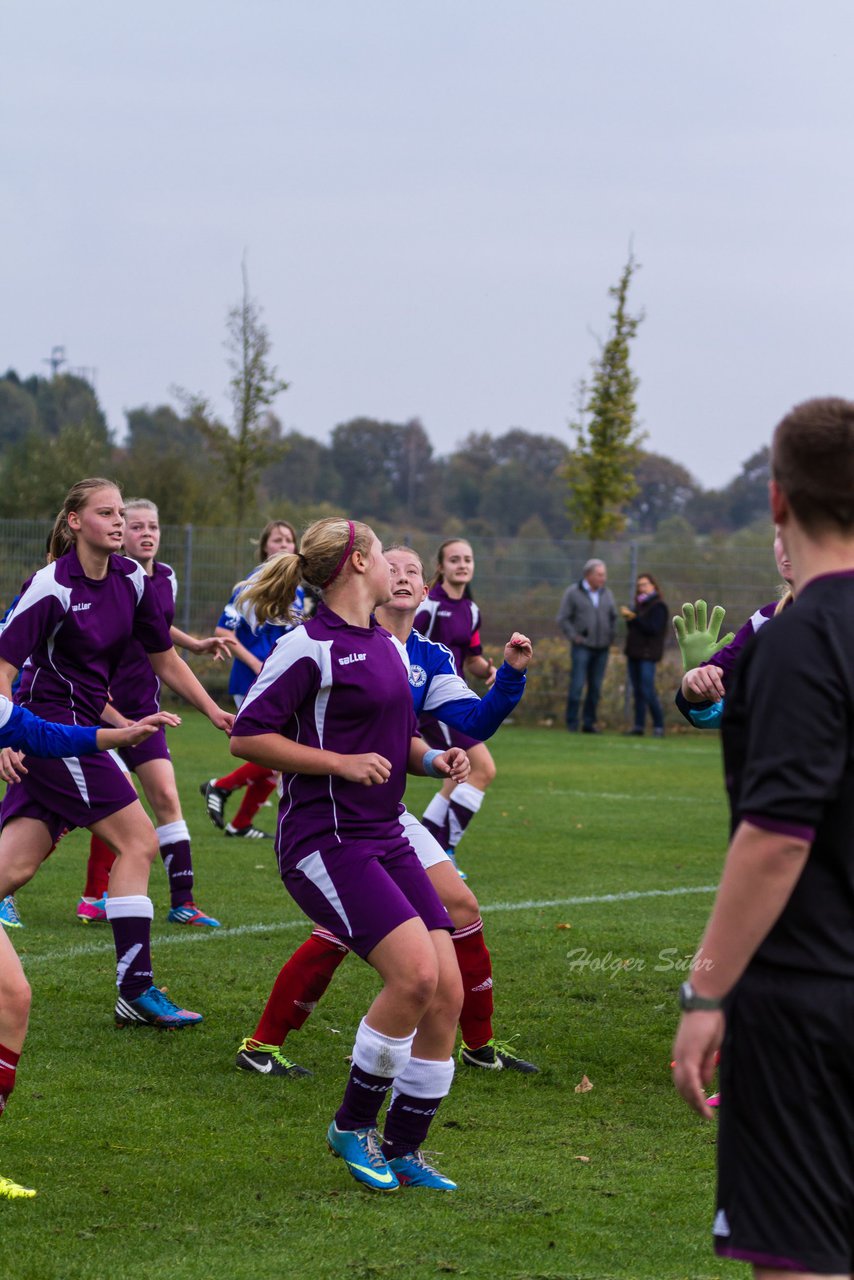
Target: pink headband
340 565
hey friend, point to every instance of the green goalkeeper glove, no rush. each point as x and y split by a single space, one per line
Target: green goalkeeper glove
698 640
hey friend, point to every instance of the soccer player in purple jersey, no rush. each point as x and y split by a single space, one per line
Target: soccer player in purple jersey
134 692
450 617
332 692
71 627
304 977
21 730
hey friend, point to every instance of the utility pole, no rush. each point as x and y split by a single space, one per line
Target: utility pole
56 360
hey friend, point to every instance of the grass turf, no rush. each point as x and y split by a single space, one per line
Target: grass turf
154 1157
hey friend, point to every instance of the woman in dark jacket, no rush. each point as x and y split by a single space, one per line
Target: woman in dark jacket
645 632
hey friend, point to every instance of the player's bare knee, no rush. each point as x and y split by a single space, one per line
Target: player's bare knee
416 986
482 774
15 999
462 906
141 851
165 803
17 869
448 1000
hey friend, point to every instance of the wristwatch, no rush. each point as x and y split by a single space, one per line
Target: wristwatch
690 1002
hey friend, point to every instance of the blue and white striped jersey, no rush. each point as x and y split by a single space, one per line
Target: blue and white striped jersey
436 687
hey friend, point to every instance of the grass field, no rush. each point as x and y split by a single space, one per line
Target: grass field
154 1158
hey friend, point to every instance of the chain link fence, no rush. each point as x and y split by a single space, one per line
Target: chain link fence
518 586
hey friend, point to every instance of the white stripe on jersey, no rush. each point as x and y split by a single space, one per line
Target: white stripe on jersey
431 607
758 620
403 653
5 710
444 687
44 584
288 651
137 577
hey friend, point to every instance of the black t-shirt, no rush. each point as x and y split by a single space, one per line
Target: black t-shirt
788 737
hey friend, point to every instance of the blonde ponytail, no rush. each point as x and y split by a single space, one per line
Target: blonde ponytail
322 559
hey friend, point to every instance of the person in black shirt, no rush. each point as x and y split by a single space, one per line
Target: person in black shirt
773 979
646 627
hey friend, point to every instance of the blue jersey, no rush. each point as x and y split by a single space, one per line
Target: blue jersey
20 729
436 687
258 637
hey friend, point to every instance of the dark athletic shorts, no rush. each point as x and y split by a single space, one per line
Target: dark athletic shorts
153 748
63 794
361 890
786 1116
441 736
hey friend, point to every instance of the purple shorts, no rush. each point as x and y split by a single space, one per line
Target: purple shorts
153 748
441 736
361 890
68 793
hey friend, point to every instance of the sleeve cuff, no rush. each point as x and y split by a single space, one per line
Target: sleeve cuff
778 826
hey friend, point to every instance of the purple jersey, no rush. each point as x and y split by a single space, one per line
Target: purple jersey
727 657
345 689
453 623
134 688
72 632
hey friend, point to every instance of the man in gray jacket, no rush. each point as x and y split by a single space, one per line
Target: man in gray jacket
588 619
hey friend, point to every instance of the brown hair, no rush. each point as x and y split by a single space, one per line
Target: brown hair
812 460
62 539
271 591
650 578
265 535
438 575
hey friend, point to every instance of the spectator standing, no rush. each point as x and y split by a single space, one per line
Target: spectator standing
646 628
588 618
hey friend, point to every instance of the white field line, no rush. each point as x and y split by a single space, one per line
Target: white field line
243 930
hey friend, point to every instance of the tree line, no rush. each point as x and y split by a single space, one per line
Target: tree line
53 430
201 470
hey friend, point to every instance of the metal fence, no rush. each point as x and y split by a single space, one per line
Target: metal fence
518 585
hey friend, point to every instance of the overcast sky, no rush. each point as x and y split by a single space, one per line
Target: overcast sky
434 197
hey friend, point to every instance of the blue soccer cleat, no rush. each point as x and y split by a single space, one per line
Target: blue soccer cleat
412 1170
360 1151
9 917
153 1009
190 914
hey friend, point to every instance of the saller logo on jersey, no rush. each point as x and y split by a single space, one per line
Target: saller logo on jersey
81 608
352 657
417 677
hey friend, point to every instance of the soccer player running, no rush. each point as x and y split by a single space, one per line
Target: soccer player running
435 685
450 616
134 693
20 730
330 694
773 982
72 626
253 641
